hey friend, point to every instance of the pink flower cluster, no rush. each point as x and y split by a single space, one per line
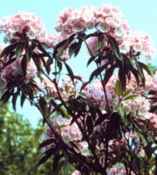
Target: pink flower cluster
22 22
95 93
76 172
139 105
69 131
50 40
107 17
14 72
140 42
72 20
117 171
151 83
111 21
152 118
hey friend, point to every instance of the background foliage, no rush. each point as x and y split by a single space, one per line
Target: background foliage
19 145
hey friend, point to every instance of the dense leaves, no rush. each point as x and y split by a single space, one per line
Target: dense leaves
19 145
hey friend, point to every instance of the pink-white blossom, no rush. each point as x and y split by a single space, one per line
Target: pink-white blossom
50 40
71 132
95 93
20 23
110 20
76 172
72 20
14 72
140 42
117 171
152 117
151 83
139 106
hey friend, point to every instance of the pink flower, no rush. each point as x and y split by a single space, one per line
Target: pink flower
152 117
140 42
95 93
76 172
117 171
110 20
139 106
14 72
23 22
72 20
71 132
151 83
50 40
92 44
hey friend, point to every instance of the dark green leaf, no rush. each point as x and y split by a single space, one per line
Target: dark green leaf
44 159
108 74
75 48
24 64
96 72
91 59
145 67
43 105
5 97
8 49
14 100
23 98
70 72
46 142
118 88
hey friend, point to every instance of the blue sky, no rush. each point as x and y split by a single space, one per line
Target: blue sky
141 14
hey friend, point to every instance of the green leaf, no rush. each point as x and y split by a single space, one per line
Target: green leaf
115 47
96 72
14 100
43 105
108 74
44 159
121 111
91 59
69 70
75 48
24 64
46 142
130 97
7 50
118 88
23 98
6 96
145 67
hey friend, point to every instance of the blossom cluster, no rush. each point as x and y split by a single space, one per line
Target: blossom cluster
22 22
111 21
108 17
13 73
139 104
31 25
70 132
95 93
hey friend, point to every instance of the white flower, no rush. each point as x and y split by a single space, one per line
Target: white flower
138 106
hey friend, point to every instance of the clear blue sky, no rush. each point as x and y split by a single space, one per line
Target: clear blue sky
141 14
